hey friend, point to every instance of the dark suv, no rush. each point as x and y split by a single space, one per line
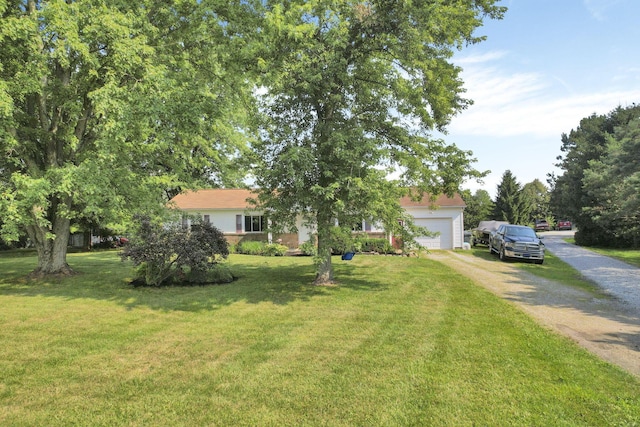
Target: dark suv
517 241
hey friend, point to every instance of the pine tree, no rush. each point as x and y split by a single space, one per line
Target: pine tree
511 204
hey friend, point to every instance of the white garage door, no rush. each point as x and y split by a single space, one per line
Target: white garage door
444 240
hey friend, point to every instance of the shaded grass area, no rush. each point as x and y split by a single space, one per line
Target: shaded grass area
399 342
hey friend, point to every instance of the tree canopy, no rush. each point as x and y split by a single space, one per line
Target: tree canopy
479 207
352 91
107 105
537 195
598 189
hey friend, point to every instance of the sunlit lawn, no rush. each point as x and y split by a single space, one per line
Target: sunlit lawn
400 341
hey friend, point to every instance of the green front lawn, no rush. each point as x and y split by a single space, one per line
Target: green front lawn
400 342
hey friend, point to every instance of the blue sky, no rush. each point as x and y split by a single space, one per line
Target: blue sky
544 67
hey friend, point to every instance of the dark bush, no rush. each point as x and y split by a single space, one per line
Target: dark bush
170 254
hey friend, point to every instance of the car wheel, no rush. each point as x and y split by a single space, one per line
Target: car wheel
501 254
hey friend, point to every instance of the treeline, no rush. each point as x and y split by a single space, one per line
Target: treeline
600 186
515 203
598 190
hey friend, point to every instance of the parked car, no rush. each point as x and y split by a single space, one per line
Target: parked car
564 224
517 241
482 233
541 225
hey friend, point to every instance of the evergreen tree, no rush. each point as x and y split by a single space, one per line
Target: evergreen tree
613 182
511 203
583 147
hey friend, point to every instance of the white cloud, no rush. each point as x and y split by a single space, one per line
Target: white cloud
598 8
516 103
481 58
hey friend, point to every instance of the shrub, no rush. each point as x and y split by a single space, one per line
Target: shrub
341 240
308 248
251 248
261 248
170 254
381 246
275 249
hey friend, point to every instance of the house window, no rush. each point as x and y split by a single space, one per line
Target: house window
206 219
253 224
357 227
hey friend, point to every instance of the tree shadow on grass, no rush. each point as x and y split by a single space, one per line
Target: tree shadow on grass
259 280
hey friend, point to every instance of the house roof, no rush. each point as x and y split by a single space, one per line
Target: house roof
217 198
442 201
235 198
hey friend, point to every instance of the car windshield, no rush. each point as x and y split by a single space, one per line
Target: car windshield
521 231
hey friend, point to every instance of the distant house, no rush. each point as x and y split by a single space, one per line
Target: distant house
229 211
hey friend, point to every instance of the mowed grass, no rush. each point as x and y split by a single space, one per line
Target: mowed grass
399 342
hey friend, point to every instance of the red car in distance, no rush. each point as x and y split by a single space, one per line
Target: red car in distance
563 225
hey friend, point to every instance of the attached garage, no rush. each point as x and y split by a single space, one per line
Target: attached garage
443 226
445 216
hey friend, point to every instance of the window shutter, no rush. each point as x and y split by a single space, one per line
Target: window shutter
238 224
367 226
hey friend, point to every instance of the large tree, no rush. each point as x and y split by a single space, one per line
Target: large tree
613 182
352 91
105 105
587 143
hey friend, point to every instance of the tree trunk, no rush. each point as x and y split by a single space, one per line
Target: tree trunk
324 269
52 252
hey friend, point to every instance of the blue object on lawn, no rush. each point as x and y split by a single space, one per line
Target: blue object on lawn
348 256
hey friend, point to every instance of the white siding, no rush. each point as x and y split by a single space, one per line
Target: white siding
224 220
304 232
447 221
444 226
